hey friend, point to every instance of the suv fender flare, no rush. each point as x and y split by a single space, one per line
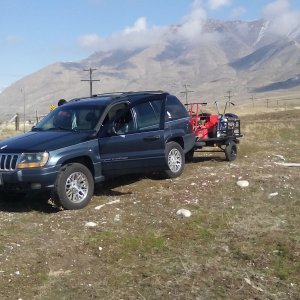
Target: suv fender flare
179 140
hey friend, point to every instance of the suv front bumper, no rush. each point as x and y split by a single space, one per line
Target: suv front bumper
29 179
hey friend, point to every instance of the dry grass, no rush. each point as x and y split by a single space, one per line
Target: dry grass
238 243
8 129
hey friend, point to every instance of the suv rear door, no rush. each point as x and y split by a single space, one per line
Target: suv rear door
135 139
178 119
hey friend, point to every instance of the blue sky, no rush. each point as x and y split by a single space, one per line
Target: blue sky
36 33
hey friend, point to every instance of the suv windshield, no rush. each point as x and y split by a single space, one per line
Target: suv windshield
75 118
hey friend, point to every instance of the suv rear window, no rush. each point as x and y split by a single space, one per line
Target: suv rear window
148 115
174 109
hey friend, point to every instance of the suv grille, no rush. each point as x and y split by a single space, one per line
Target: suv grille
8 162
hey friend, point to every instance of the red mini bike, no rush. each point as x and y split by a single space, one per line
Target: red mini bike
214 130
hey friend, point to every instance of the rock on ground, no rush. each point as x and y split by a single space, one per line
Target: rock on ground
243 183
183 213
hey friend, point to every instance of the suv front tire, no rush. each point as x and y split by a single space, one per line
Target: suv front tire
74 186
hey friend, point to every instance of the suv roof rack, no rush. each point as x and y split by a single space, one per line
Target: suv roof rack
107 94
147 92
120 94
130 92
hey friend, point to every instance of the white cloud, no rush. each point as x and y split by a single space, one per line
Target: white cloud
2 88
139 25
193 23
140 35
283 19
12 40
276 7
128 38
216 4
237 12
90 41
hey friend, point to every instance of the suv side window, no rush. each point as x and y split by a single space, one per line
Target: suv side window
124 122
174 109
148 115
118 117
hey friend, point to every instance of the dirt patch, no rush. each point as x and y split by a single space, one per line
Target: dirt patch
239 243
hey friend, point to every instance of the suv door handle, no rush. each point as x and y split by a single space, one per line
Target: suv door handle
152 138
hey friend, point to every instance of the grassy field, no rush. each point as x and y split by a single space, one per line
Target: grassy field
239 243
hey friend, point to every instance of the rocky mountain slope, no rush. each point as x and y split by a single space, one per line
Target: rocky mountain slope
244 57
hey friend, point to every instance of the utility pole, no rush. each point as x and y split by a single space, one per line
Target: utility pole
229 97
186 92
24 107
252 98
91 80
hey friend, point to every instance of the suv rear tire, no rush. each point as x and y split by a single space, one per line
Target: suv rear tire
175 160
74 186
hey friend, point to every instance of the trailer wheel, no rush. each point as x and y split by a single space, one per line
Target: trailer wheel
175 160
74 186
231 151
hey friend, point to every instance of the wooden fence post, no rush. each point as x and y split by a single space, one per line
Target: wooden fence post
36 116
17 122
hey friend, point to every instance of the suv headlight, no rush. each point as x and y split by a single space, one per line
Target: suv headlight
33 160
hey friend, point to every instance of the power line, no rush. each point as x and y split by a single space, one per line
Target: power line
91 80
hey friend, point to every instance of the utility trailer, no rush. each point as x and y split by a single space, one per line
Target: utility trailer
214 130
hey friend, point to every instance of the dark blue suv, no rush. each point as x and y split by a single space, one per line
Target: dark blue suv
91 139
